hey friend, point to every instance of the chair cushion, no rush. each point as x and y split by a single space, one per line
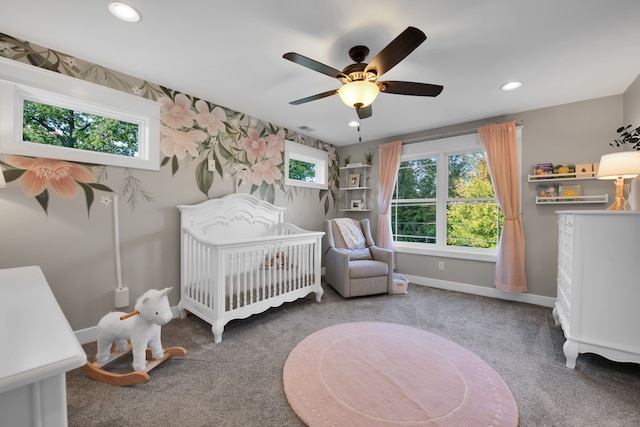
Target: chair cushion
367 268
358 254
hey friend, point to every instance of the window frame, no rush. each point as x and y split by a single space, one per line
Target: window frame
19 82
442 148
304 153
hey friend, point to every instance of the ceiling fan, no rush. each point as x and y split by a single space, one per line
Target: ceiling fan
359 80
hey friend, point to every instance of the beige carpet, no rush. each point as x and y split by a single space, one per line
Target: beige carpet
377 374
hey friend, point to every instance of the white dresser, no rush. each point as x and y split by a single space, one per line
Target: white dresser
37 347
598 296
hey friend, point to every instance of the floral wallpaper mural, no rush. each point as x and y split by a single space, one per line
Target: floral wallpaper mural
244 149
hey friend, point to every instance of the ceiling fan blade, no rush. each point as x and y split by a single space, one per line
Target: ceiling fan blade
314 97
396 51
312 64
365 112
410 88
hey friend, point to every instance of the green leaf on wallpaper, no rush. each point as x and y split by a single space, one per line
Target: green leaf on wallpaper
164 161
100 187
218 165
174 165
13 174
223 150
326 205
267 192
43 199
88 194
167 91
204 178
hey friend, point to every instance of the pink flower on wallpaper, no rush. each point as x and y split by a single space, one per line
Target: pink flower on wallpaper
177 114
254 145
212 121
265 170
61 176
275 146
178 143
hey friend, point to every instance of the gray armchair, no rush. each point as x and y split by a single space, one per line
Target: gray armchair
356 272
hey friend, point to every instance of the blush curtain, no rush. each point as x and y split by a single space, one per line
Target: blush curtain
500 149
389 164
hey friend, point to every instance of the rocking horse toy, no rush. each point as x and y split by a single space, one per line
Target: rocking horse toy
133 332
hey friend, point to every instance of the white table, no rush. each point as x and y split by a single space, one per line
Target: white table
37 348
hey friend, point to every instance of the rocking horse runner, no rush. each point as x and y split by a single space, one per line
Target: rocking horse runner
134 332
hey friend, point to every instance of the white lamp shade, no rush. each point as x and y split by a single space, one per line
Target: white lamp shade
625 164
358 92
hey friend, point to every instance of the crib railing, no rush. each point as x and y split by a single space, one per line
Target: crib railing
228 277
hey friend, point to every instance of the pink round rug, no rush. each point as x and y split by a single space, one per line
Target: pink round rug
382 374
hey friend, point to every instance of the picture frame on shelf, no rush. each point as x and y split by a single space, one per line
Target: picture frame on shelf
354 180
356 205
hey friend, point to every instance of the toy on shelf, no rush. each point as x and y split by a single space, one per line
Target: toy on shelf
134 332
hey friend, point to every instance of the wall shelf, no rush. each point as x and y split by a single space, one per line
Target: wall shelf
357 194
557 200
557 178
566 200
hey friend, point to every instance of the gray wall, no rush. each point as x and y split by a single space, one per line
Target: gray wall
574 133
632 104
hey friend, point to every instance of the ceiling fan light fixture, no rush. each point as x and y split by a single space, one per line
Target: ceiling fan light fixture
359 93
124 12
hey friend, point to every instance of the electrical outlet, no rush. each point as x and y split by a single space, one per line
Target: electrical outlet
211 165
440 265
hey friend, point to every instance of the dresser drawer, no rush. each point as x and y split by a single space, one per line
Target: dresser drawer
565 242
566 223
565 266
564 293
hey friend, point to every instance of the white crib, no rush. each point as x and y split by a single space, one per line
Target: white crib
240 258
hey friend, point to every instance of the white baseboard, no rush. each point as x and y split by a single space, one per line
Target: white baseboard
88 335
482 290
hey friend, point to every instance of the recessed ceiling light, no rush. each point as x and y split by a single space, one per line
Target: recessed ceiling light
354 124
511 85
124 12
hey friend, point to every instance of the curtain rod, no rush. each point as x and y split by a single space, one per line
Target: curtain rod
449 134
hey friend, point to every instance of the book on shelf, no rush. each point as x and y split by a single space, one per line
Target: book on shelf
573 190
542 169
564 171
547 192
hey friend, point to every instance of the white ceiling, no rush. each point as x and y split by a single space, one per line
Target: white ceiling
230 53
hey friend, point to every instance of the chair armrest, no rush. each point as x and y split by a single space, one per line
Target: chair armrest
337 268
382 254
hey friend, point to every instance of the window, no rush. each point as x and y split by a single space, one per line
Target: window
45 114
305 166
444 202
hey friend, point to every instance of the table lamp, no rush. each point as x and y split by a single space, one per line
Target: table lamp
619 166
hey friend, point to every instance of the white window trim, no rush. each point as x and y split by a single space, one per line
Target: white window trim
20 81
304 153
446 147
